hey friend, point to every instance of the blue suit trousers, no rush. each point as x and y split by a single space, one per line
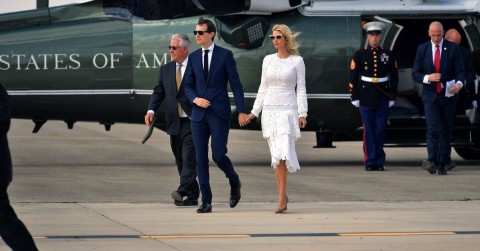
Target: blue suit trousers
216 129
440 117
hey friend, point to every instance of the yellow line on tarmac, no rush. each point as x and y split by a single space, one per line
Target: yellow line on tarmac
396 233
195 236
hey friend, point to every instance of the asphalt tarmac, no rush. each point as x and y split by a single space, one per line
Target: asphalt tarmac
88 189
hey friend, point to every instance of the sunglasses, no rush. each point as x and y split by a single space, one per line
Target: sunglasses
278 37
199 32
173 47
375 33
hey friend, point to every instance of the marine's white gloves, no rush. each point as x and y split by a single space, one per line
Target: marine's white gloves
356 103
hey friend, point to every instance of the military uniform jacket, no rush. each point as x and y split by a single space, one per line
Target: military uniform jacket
374 64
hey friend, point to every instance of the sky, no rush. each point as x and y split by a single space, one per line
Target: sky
7 6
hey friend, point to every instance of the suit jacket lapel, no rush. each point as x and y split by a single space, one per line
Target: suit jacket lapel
429 56
443 53
201 83
173 75
180 89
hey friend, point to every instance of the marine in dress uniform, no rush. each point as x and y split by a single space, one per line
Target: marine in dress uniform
373 88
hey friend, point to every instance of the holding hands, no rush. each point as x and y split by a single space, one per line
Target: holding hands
244 119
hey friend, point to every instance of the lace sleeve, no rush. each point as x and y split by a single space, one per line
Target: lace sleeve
302 102
262 90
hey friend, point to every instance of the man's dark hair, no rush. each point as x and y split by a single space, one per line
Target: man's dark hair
210 25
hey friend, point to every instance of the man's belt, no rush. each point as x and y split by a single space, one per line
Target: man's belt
374 80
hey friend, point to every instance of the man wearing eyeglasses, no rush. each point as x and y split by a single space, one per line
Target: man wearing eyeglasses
373 88
178 110
208 73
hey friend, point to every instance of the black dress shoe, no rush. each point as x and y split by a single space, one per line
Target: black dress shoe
380 168
187 202
205 208
370 168
441 171
177 198
429 166
235 196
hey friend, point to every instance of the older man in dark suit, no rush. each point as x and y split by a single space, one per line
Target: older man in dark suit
178 111
12 230
439 67
209 71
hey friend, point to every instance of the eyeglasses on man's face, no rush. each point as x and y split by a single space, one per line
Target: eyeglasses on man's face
278 37
199 32
171 47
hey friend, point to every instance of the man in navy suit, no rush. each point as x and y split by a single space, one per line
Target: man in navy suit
208 73
178 111
12 229
437 63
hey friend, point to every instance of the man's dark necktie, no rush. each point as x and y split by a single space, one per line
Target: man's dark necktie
436 63
205 64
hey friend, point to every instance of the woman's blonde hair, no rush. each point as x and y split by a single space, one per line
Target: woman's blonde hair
291 44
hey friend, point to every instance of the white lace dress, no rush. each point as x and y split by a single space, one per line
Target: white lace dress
282 99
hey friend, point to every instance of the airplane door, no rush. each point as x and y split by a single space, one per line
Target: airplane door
390 34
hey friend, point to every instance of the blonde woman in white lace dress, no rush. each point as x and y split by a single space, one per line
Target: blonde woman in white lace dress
282 99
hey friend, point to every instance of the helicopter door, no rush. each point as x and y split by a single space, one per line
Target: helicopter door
406 85
390 34
473 38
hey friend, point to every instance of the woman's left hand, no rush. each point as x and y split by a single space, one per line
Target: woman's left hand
303 122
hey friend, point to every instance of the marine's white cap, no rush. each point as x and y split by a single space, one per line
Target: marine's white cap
374 26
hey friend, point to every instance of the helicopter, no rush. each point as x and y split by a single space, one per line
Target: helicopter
98 61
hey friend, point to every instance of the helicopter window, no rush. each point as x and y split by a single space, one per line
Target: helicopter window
243 32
